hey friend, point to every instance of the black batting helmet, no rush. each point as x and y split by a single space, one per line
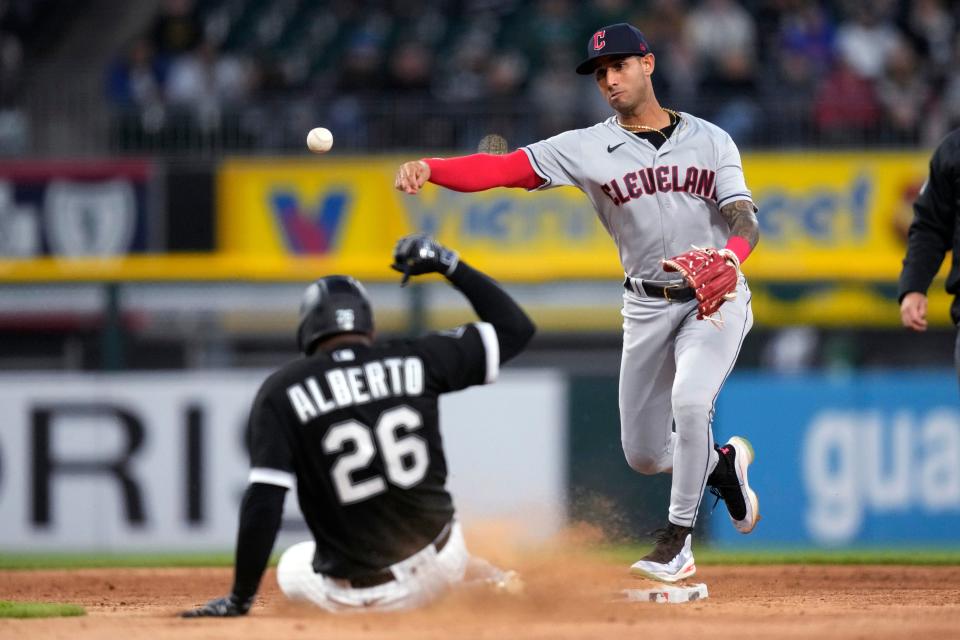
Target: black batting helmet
330 306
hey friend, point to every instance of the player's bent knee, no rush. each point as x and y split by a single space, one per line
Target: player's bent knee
295 564
690 410
642 462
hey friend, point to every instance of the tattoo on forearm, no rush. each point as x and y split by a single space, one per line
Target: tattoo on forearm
742 220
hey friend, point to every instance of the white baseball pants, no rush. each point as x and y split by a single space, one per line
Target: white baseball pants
419 579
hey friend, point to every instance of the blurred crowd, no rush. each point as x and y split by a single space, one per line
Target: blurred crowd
440 74
23 25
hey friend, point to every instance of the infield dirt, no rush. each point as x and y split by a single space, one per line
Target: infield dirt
568 595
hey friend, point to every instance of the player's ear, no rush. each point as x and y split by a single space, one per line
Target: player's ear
648 62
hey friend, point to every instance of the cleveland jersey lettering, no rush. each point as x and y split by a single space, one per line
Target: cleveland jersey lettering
699 182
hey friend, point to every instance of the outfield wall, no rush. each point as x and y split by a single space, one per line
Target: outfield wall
153 462
833 227
816 211
848 459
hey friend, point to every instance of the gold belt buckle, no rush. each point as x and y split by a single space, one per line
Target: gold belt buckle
666 291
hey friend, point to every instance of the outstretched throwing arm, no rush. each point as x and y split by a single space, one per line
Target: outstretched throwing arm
477 172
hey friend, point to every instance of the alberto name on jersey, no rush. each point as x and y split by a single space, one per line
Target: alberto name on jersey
346 386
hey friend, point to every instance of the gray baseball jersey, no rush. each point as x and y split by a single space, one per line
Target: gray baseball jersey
655 203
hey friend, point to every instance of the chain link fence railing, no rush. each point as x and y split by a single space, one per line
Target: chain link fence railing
81 123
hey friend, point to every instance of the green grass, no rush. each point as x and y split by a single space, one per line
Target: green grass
618 554
10 609
92 560
707 556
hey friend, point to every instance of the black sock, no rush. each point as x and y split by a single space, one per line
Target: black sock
723 472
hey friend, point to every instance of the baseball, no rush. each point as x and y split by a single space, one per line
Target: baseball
319 140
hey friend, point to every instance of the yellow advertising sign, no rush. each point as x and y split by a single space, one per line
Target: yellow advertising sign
349 209
822 217
342 212
833 228
833 216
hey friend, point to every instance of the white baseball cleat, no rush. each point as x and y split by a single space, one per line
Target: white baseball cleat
730 483
671 559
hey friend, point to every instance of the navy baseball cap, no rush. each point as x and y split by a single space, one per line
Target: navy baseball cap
619 39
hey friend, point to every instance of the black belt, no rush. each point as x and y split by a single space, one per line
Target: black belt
651 289
386 575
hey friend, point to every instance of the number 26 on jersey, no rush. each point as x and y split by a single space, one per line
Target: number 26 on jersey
405 455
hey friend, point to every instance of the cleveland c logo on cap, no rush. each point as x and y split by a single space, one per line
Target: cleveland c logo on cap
598 42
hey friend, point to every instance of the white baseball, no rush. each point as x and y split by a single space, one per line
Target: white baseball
319 140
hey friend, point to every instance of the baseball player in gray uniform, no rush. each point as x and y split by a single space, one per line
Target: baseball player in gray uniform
661 182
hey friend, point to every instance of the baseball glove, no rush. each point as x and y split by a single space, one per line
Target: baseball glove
418 253
711 273
227 607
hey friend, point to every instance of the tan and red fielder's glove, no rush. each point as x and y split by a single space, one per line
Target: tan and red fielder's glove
711 273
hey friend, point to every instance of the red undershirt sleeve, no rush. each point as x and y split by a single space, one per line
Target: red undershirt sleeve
740 246
482 171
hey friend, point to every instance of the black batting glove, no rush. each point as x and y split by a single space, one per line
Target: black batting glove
227 607
418 253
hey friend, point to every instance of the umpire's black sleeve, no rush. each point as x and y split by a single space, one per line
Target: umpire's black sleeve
934 216
494 305
260 515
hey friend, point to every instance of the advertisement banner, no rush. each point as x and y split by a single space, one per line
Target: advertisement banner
870 459
157 461
817 211
70 210
348 212
835 220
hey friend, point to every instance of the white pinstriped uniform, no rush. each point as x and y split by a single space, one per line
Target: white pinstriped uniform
655 204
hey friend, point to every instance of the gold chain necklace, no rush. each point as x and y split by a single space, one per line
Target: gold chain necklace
673 115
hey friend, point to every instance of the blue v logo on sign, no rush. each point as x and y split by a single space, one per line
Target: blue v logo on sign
308 231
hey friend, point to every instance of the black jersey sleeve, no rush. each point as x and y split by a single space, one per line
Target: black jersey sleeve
260 514
935 213
271 453
461 357
495 306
